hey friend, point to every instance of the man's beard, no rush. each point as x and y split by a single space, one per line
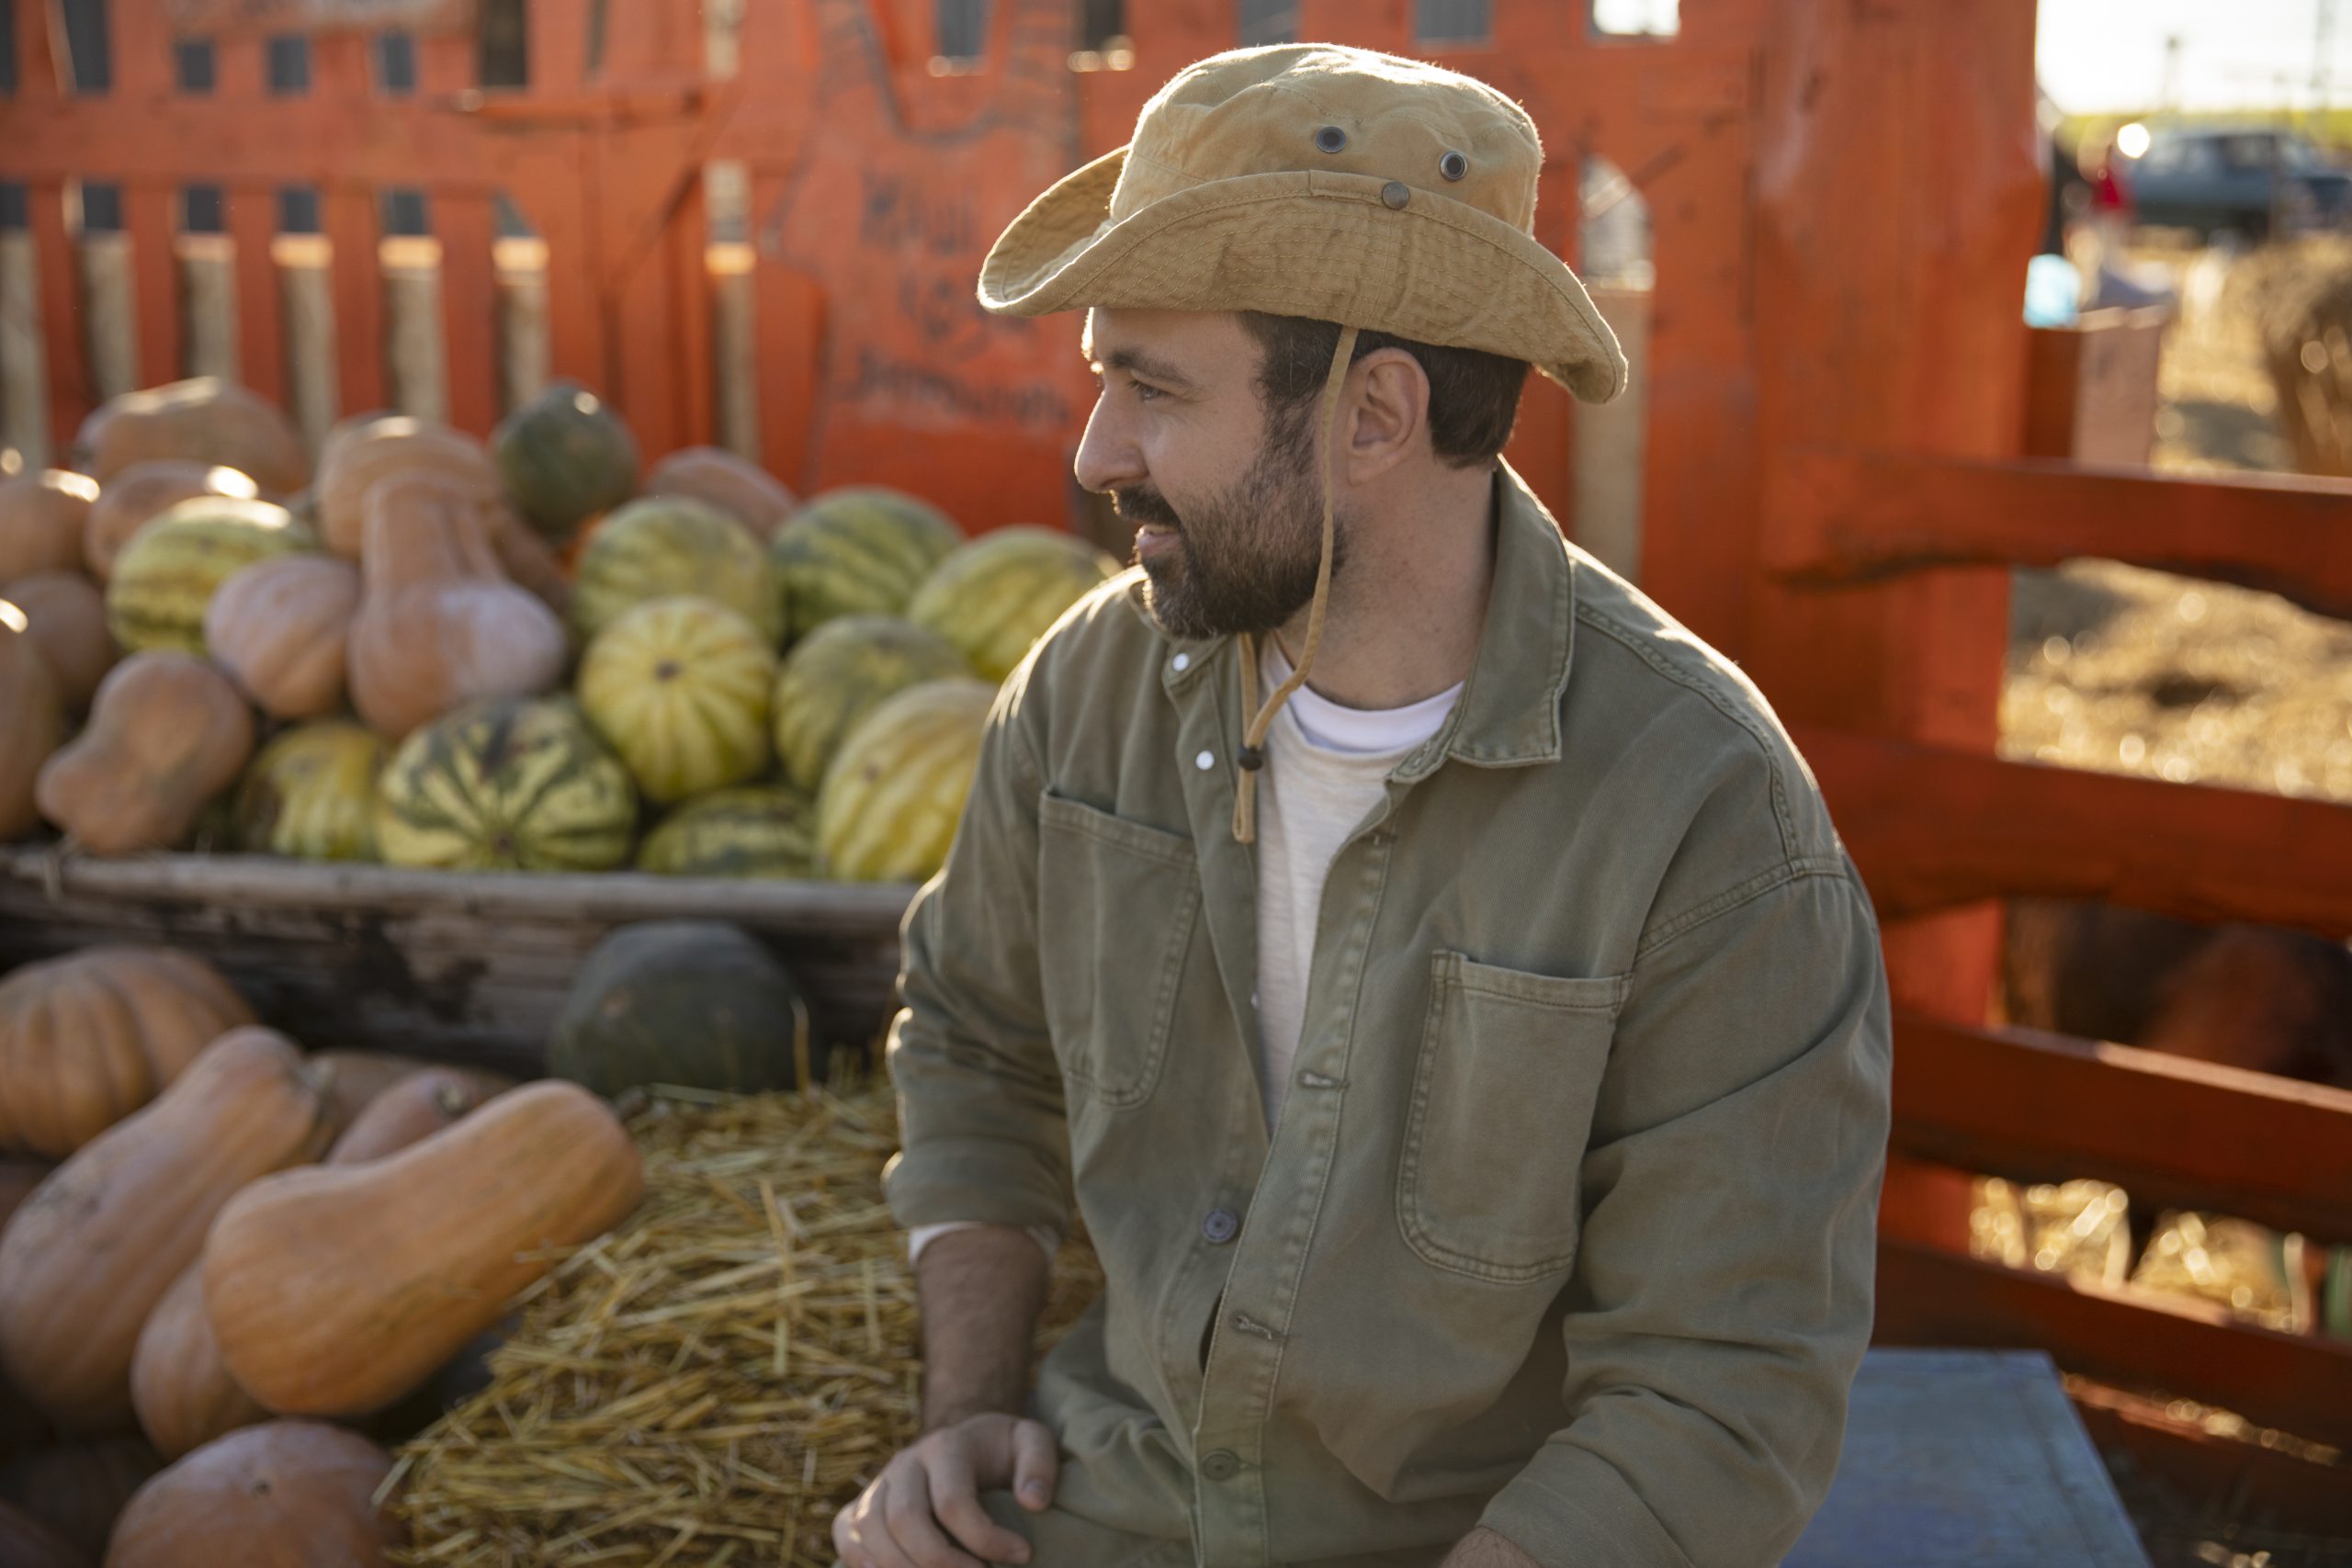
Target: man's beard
1246 559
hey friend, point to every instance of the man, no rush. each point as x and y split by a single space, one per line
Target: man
1430 966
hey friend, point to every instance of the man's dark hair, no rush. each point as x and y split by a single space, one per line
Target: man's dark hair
1474 395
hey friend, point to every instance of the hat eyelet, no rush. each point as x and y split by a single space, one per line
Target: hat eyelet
1454 166
1331 139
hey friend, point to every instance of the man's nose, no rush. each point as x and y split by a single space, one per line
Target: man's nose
1107 458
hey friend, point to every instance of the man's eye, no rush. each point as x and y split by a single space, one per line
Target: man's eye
1145 392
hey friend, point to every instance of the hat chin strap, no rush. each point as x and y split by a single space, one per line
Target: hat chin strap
1253 739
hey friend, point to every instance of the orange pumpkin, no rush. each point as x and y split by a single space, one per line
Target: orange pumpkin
67 617
32 718
279 628
79 1490
408 1112
95 1248
357 460
283 1494
167 732
353 1079
184 1395
333 1290
42 516
18 1180
205 420
742 489
142 493
88 1039
439 622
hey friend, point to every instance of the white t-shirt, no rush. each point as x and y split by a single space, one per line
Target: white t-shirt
1327 767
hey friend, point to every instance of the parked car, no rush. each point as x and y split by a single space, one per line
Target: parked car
2257 182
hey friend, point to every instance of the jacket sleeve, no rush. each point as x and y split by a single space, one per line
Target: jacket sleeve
982 1128
1722 1294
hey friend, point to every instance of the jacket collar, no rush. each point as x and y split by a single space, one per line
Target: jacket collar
1510 711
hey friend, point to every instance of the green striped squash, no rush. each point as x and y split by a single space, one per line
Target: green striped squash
680 688
666 545
565 455
750 831
862 549
311 794
837 674
890 802
508 783
166 575
999 593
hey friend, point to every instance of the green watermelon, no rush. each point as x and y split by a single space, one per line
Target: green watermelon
860 549
998 594
680 688
166 575
310 792
507 783
565 455
696 1003
752 830
663 547
890 801
836 675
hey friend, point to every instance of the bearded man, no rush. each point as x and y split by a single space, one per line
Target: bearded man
1429 969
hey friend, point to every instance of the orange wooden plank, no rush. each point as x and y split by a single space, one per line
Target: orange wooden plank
2172 1131
251 220
357 283
789 309
240 73
1386 25
691 312
557 208
465 224
40 63
139 42
150 217
58 288
447 64
1927 1296
558 46
1931 827
1843 517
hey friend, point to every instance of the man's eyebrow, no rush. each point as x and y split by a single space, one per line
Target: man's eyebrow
1135 362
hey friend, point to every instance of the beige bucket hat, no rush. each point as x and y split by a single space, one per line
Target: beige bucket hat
1334 183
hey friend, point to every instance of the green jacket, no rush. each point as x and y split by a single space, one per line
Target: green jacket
1566 1224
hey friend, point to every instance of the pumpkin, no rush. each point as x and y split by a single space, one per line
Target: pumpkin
353 1079
838 674
67 617
862 549
142 493
662 547
355 461
206 419
89 1038
93 1249
79 1490
32 718
335 1289
413 1108
26 1542
439 624
679 687
166 734
565 457
506 786
697 1003
279 628
887 809
184 1397
167 576
717 477
18 1180
282 1495
311 794
996 596
42 518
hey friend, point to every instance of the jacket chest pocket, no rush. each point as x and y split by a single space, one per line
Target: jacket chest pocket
1116 907
1501 1108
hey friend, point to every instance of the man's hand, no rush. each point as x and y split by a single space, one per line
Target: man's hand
1482 1547
926 1502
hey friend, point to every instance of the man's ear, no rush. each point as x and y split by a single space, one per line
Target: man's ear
1388 398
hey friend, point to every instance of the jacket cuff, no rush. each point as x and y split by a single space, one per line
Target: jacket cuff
1570 1508
983 1180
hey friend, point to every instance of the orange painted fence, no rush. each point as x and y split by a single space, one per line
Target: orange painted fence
1842 200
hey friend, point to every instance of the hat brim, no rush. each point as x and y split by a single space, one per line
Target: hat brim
1320 244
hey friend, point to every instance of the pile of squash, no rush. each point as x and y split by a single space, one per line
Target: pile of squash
436 651
223 1260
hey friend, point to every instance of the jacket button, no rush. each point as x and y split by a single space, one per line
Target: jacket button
1206 760
1221 1227
1219 1464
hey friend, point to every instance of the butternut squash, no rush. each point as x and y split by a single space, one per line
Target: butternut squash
88 1256
32 718
353 1079
280 627
439 623
184 1397
79 1489
717 477
204 420
283 1494
408 1112
67 617
167 732
333 1290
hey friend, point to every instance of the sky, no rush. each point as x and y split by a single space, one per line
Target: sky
2098 55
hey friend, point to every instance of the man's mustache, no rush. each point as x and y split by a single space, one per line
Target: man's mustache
1144 504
